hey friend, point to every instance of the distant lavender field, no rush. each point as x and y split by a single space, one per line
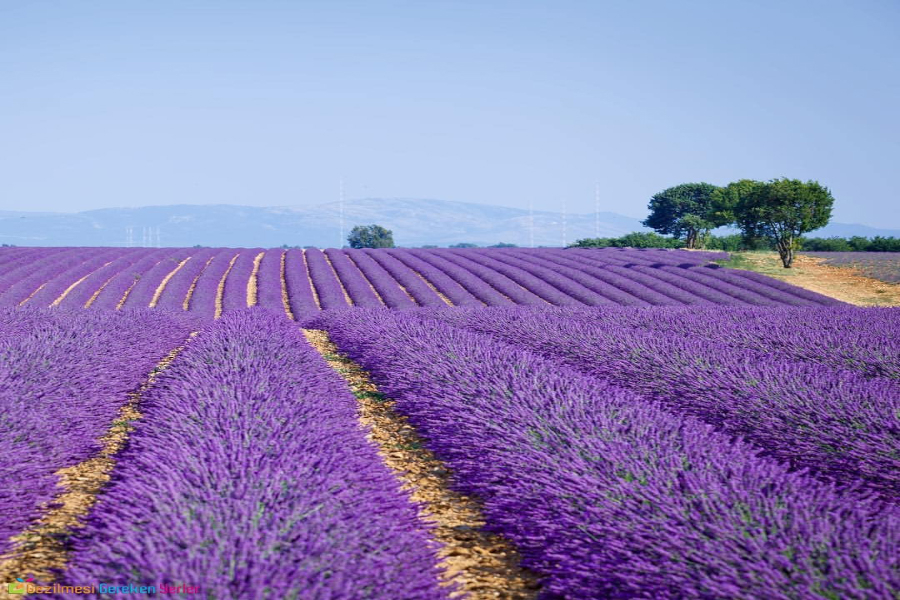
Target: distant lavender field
878 265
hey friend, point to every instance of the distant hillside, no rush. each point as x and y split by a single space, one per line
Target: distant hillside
415 222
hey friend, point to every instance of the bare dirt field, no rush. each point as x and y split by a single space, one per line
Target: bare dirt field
844 283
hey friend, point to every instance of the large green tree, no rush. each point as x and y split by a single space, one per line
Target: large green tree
685 211
782 210
370 236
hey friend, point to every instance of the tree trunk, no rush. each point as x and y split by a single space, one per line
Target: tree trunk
691 240
786 251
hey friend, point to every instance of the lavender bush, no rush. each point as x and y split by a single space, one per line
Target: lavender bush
249 477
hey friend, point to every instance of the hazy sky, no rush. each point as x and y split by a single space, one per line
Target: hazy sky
270 103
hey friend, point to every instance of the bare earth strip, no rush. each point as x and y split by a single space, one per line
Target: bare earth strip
125 295
73 286
31 295
284 295
252 284
220 291
809 272
162 284
483 564
42 548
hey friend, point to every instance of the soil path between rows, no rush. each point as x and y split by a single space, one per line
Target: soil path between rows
484 565
43 548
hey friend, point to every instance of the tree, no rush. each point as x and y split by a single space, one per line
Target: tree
781 210
370 236
463 245
685 211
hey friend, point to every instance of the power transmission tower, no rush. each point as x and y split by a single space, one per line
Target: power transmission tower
341 210
565 243
597 210
530 224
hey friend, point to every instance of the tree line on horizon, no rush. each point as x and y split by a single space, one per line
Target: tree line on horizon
775 213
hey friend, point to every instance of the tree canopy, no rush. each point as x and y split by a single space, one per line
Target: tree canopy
370 236
781 210
685 211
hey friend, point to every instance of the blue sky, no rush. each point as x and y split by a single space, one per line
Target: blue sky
270 103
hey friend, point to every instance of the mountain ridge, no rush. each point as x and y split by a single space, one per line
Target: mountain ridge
414 222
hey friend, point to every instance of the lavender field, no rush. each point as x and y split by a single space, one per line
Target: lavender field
884 266
632 423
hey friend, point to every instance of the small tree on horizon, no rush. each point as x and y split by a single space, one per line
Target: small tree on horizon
370 236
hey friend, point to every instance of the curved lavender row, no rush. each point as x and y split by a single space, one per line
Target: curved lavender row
357 286
574 270
11 258
492 279
206 290
27 264
605 493
63 377
328 289
837 423
296 282
627 285
54 288
43 272
250 477
382 280
710 294
706 280
405 276
268 282
442 282
112 293
657 285
234 295
85 290
811 297
175 292
552 285
866 340
143 291
647 256
472 283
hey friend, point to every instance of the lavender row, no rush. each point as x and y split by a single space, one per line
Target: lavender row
405 276
175 293
638 289
481 289
866 340
26 264
235 294
499 280
56 286
205 297
268 282
555 288
444 284
297 285
605 492
63 377
839 424
144 290
249 477
81 294
383 282
120 286
44 272
358 287
328 288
